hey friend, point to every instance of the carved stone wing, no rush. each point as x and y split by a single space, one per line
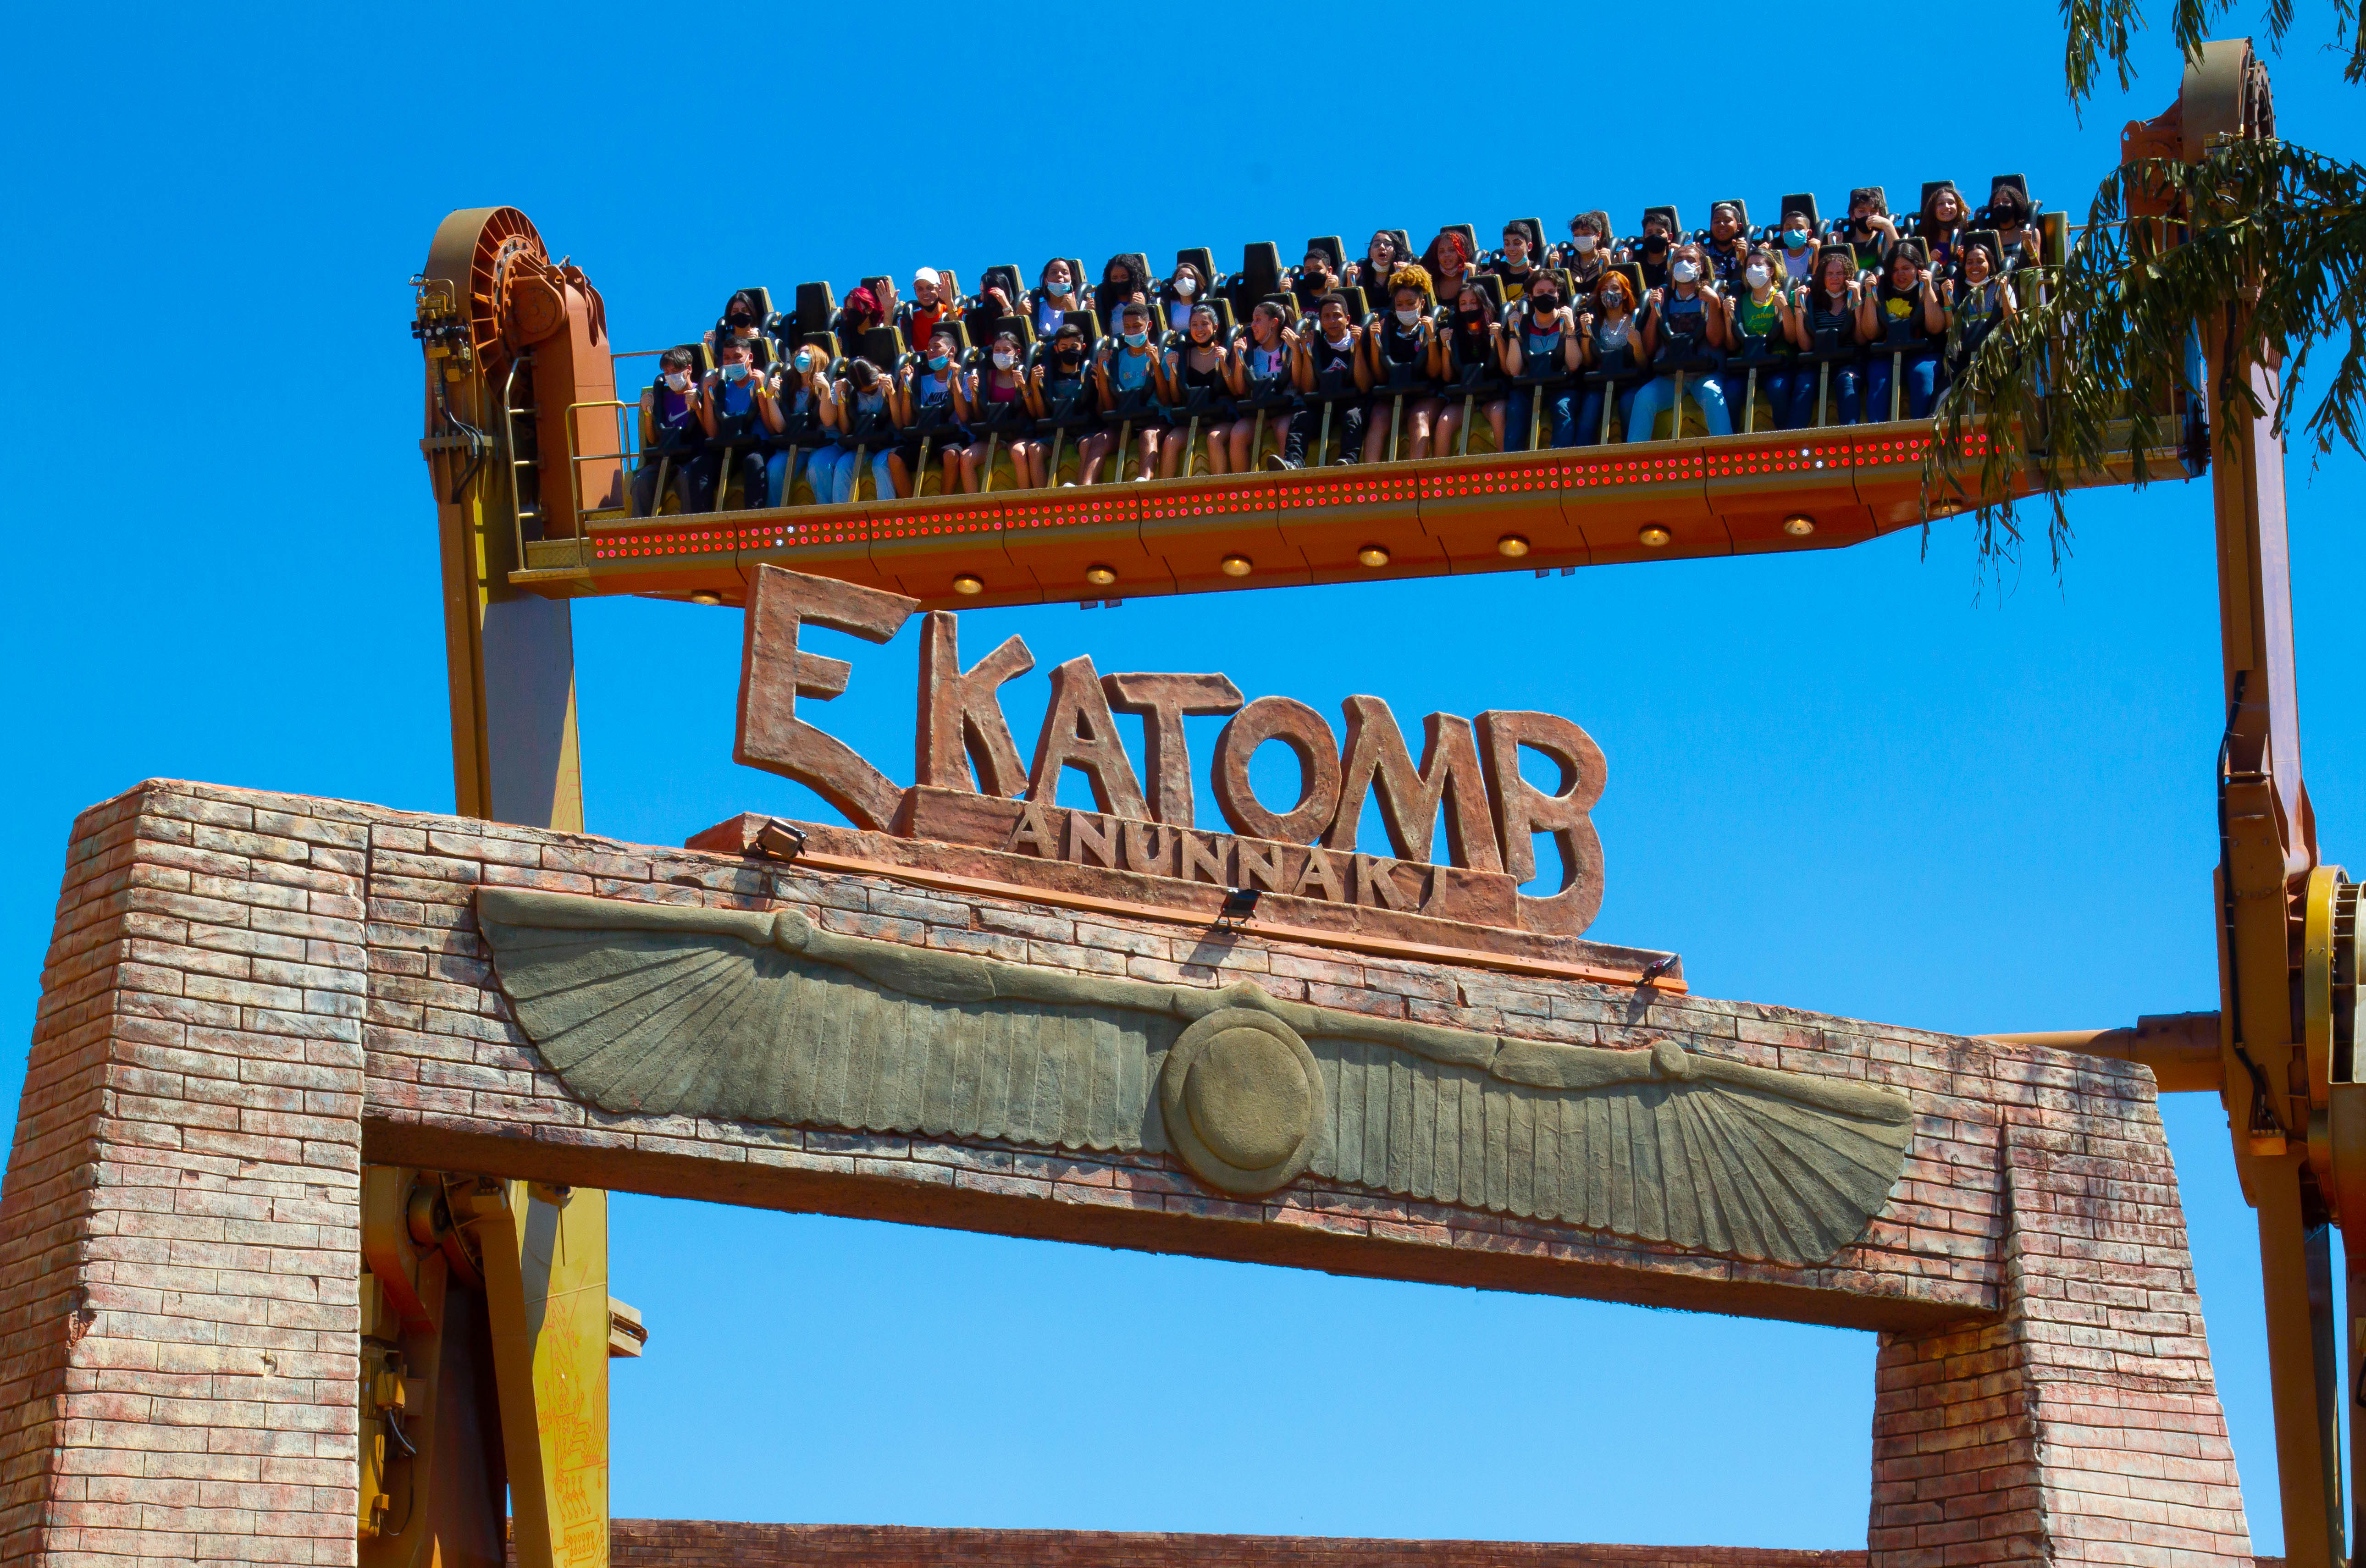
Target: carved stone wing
765 1018
705 1012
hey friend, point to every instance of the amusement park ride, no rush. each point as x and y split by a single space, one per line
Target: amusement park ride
529 448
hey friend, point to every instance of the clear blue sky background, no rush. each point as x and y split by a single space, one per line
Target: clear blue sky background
1844 781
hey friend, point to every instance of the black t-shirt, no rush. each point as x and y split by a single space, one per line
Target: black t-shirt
1900 314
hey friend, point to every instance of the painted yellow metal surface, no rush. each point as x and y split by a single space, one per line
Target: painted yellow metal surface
546 1259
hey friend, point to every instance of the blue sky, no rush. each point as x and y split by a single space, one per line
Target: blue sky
1855 781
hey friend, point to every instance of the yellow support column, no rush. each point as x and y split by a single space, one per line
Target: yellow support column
545 1254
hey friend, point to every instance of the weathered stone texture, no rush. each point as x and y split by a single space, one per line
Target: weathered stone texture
248 991
178 1228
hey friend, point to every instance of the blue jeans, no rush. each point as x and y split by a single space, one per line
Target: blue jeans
832 471
1589 415
1557 426
1659 392
1840 395
1920 374
781 470
1781 389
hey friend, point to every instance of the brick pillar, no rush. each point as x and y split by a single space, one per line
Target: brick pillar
2085 1425
179 1224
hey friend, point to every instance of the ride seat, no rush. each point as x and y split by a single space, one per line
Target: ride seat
1260 275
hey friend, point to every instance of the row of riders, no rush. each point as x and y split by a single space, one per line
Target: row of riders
1388 356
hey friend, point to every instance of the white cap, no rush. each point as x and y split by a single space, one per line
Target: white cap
926 274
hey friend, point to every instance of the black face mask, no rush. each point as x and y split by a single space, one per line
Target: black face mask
1544 304
1067 359
1468 320
738 319
1656 245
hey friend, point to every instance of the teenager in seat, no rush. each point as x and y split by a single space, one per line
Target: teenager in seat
1406 360
1197 369
737 410
1612 339
1130 380
1328 361
1539 338
1258 370
999 387
1682 322
1902 309
1471 343
676 435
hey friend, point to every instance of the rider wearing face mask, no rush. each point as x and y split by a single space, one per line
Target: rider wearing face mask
1799 245
807 411
742 320
737 411
1470 347
1683 326
1328 367
1541 340
997 390
1613 343
1650 253
1587 254
671 435
927 402
1183 292
1758 325
1515 267
1131 376
1405 361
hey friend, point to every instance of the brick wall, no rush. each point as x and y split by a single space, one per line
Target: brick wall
178 1230
250 992
703 1543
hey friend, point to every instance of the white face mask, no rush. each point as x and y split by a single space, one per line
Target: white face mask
677 381
1186 287
1684 271
1407 318
1757 274
1004 359
1339 342
1584 243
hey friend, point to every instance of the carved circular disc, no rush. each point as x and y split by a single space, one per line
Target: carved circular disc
1241 1096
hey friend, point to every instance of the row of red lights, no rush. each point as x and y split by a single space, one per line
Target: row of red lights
1506 479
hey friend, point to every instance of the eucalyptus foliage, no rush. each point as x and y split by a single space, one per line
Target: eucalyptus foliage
2266 262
